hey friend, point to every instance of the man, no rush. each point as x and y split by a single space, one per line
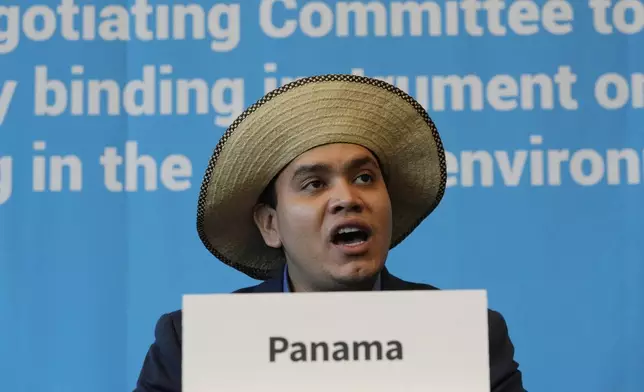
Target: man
308 190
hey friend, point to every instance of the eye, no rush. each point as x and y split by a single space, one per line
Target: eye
313 184
367 178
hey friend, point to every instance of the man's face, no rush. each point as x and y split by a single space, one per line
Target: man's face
333 218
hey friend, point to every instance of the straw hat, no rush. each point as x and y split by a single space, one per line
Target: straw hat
295 118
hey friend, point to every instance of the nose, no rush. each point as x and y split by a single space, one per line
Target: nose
344 198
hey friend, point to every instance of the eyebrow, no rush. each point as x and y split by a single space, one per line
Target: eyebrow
323 168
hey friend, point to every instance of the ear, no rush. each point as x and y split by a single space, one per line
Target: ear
266 221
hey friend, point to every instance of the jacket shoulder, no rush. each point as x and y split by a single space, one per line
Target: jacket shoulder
249 289
161 368
505 375
173 319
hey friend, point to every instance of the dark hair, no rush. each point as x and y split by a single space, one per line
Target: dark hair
269 195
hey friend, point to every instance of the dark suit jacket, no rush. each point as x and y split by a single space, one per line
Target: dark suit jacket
161 370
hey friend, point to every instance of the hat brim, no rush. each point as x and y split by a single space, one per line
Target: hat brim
295 118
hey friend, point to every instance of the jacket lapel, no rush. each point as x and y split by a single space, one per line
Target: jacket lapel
392 283
273 285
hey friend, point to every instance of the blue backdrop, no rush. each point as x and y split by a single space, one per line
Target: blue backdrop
109 112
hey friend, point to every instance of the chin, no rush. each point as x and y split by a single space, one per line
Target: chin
356 272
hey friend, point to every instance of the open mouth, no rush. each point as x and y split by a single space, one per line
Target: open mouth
350 235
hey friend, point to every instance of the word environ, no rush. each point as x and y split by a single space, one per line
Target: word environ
336 351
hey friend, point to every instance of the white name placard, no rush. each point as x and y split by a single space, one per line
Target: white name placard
321 342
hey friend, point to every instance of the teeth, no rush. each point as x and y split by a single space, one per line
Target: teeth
348 230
